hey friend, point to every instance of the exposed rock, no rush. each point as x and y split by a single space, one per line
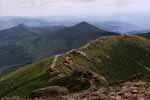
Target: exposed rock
50 91
119 98
124 91
135 90
141 98
12 98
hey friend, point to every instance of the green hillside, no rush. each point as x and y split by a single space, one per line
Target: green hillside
106 59
26 79
113 58
146 35
21 44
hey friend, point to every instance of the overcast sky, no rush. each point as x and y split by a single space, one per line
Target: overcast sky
72 7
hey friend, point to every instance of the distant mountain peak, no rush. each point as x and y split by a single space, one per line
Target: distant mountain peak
85 25
21 25
83 22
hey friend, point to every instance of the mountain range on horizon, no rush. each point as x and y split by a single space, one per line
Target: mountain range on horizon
23 44
74 50
39 61
108 25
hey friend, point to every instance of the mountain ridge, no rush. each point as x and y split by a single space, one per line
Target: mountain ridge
103 61
37 43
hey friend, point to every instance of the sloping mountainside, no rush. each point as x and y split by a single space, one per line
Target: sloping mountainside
18 43
146 35
26 79
29 44
102 62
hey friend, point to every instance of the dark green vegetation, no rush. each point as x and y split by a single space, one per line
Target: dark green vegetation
146 35
106 59
114 58
21 44
26 79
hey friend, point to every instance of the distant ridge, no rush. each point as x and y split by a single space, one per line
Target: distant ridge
84 24
146 35
29 44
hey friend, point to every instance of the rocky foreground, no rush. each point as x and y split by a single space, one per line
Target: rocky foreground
134 90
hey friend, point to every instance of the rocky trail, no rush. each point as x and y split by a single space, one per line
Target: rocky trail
54 61
103 72
131 90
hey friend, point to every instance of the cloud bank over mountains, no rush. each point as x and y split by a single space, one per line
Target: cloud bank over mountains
72 7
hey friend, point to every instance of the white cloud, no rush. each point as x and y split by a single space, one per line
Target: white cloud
71 7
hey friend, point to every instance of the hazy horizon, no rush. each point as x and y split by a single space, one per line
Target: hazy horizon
132 11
